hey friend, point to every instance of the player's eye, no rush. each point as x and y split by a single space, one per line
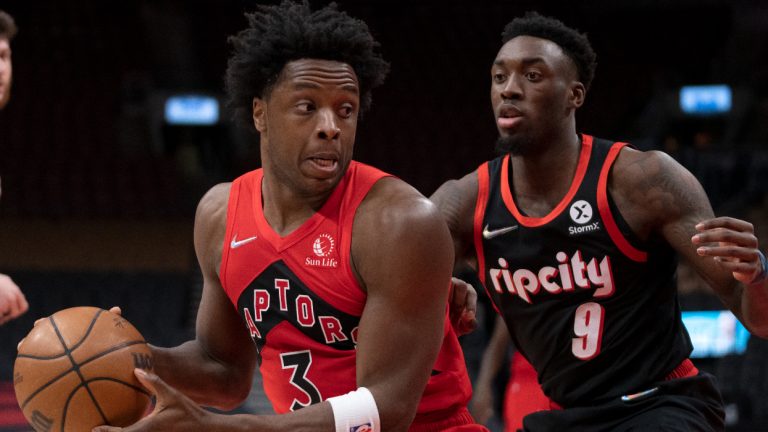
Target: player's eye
305 107
346 111
533 76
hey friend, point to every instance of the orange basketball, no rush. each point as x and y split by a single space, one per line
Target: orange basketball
74 371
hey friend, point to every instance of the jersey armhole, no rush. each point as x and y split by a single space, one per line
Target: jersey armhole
234 194
483 190
345 254
605 209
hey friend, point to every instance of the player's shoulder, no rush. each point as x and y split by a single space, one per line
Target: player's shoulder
465 186
393 201
650 187
395 217
213 205
636 167
461 192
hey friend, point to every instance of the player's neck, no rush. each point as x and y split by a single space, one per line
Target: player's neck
285 209
546 175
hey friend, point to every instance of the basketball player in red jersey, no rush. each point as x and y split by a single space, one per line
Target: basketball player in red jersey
576 240
331 274
12 300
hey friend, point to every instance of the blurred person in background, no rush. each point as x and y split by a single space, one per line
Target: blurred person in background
12 301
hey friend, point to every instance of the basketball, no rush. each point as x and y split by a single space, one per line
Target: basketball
74 371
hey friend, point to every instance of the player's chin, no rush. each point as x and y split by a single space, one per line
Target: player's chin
313 186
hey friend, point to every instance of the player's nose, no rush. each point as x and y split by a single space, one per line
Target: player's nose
327 126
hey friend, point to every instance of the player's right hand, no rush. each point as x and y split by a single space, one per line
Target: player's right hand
173 411
463 306
733 244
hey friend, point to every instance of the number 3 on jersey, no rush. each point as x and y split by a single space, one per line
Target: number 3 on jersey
300 361
588 328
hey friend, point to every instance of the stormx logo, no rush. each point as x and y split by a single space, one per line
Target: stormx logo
581 213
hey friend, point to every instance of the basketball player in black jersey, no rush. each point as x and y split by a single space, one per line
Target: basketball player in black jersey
576 240
12 300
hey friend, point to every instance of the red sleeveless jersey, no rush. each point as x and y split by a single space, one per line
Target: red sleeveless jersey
301 302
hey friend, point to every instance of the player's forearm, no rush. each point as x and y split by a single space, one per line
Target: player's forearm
754 304
202 378
492 361
489 367
315 418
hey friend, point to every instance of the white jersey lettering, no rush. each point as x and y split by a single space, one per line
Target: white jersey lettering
569 274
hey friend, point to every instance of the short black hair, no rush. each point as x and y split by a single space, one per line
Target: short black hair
7 26
573 43
279 34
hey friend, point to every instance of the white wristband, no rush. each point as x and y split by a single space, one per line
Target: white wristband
355 412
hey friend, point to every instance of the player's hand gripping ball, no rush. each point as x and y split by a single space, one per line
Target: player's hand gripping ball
74 371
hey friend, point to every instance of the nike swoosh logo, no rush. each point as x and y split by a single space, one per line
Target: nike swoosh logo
237 243
489 234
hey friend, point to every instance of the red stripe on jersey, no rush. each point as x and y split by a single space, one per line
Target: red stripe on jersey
483 189
685 369
581 170
605 211
231 208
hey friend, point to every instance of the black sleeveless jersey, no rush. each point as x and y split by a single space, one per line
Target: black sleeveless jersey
593 309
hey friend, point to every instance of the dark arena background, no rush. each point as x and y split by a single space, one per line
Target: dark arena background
100 180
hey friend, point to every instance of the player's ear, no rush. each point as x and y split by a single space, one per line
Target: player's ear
577 94
259 113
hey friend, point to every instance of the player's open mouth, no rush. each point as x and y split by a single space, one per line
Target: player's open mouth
323 164
509 116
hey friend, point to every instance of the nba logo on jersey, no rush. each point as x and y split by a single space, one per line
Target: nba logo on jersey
367 427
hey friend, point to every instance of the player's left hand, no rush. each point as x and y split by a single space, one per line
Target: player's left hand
463 306
733 244
12 301
173 411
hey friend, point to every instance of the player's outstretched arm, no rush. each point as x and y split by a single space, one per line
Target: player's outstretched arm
734 247
658 196
214 369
